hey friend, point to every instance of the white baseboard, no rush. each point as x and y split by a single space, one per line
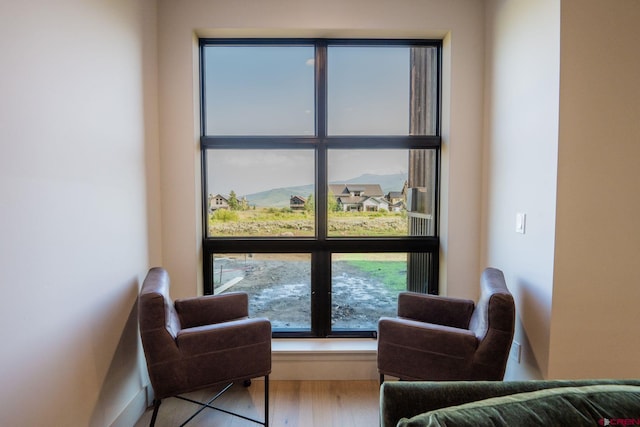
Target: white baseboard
134 410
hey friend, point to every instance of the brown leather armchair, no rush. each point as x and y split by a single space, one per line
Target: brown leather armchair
200 342
439 338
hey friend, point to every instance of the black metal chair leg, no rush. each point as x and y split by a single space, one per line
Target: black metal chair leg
156 407
266 400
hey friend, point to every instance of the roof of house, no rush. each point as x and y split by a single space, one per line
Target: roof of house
372 190
377 200
358 200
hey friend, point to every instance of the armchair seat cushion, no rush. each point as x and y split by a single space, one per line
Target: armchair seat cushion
409 344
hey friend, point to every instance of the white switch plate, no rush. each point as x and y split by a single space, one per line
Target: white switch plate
521 220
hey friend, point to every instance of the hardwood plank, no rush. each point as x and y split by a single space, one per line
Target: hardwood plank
292 404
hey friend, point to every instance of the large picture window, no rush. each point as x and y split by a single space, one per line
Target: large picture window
320 163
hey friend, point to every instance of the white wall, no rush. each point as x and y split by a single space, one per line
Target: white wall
459 22
595 330
521 144
73 207
80 164
563 145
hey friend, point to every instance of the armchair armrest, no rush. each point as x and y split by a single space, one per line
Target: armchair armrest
212 309
446 311
405 334
219 337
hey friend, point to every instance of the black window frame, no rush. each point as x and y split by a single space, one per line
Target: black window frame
321 247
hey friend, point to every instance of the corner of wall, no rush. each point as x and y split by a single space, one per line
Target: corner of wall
135 409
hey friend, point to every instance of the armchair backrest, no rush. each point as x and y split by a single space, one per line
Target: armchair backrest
493 322
159 322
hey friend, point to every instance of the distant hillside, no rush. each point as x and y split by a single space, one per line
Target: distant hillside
279 197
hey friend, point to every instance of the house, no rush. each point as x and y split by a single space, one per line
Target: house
398 199
218 202
297 203
395 197
374 204
99 180
362 204
359 197
356 190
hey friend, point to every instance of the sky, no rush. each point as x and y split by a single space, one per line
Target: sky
252 171
269 90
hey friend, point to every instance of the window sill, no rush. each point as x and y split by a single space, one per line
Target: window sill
327 346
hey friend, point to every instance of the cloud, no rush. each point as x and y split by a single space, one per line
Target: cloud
310 62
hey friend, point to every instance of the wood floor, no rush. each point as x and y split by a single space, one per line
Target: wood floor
292 404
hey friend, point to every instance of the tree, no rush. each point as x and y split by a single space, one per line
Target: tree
233 201
332 202
309 206
244 204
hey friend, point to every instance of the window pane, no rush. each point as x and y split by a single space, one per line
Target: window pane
381 193
279 285
259 90
365 287
262 181
382 90
260 193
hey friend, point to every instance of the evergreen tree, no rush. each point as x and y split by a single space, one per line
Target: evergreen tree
309 206
332 202
233 201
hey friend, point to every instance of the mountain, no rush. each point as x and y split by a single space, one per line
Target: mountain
279 197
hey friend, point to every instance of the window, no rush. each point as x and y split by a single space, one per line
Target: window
320 177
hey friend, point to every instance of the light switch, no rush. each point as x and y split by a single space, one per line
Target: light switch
521 219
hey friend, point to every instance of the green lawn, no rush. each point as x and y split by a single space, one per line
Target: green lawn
388 268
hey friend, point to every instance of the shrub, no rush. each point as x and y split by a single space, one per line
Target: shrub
224 215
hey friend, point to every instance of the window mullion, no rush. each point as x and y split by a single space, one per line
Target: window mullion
321 277
321 293
321 148
321 89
